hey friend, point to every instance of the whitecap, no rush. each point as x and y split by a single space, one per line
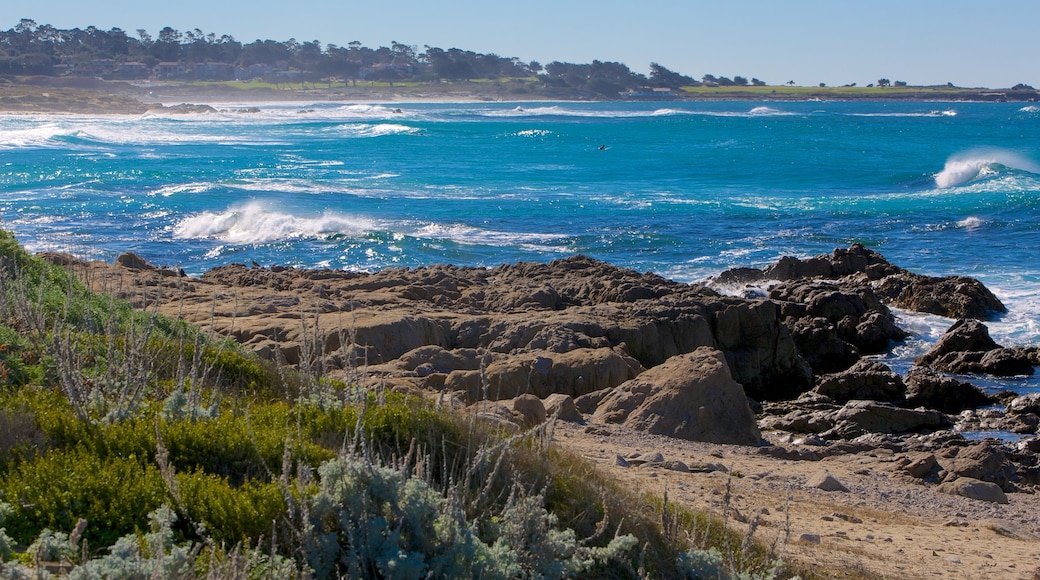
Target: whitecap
377 130
256 223
1029 109
980 163
971 223
533 133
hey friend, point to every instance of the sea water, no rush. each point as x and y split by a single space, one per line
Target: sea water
685 190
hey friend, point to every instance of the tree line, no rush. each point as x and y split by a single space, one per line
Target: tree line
41 49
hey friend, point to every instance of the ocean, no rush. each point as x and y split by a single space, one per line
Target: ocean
685 190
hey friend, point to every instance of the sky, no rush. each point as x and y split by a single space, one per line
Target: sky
990 43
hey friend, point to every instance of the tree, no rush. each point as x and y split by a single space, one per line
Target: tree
884 82
740 81
758 83
662 77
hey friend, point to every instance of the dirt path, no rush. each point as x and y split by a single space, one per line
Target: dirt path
884 526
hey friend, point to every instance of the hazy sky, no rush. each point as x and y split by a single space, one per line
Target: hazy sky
990 43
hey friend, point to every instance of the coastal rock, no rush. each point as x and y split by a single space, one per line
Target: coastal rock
927 388
860 417
573 373
691 396
982 461
864 380
817 338
563 408
974 489
966 348
1025 404
133 261
966 335
530 409
952 296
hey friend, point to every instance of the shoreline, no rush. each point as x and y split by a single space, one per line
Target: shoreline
94 96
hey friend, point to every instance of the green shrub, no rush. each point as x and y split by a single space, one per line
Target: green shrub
54 490
231 515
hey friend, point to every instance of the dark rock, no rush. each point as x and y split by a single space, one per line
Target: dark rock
860 417
927 388
952 296
966 335
864 380
817 340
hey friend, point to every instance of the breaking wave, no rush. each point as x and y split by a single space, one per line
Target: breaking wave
980 164
257 223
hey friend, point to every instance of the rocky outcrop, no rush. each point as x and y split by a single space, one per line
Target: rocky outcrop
864 380
927 388
691 396
966 348
571 326
952 297
860 417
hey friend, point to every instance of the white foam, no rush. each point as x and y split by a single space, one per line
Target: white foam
980 163
377 130
257 223
1029 109
971 223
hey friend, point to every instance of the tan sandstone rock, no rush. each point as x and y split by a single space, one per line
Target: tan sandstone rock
690 396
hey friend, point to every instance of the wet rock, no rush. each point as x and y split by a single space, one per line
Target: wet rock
966 335
927 388
1025 404
952 296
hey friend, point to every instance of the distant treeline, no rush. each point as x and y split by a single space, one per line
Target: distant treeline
40 49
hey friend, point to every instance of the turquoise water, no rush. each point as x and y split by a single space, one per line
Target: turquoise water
682 189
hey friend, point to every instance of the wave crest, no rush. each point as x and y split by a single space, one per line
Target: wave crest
981 163
256 223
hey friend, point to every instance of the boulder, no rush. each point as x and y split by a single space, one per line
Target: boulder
563 407
981 461
1025 404
927 388
860 417
691 396
826 482
1001 362
132 261
864 380
951 296
530 409
966 335
974 489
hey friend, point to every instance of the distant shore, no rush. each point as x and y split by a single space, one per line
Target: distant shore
94 96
